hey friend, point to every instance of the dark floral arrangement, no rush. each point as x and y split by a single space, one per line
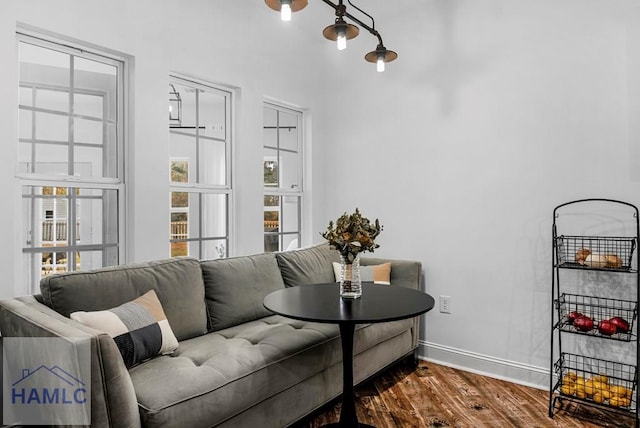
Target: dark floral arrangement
352 234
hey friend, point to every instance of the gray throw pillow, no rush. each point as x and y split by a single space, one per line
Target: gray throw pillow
312 265
235 288
177 283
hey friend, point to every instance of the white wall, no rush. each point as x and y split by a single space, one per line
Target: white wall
495 112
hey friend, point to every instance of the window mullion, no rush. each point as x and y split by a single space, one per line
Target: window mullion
32 146
197 136
71 228
70 154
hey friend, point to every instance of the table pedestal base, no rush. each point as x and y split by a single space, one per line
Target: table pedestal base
348 417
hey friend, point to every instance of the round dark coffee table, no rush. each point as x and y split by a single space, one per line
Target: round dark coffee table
322 303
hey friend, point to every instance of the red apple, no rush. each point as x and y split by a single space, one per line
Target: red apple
583 323
607 328
571 317
621 324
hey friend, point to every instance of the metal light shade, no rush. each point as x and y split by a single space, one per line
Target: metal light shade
387 55
331 32
296 5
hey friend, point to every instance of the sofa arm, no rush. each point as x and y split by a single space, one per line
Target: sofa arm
404 273
113 399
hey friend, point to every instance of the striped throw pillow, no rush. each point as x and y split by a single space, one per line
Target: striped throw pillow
139 328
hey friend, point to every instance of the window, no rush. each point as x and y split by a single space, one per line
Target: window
282 170
70 164
200 150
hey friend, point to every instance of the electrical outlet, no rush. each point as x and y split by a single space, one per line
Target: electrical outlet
445 304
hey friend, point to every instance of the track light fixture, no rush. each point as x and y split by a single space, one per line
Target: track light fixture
341 30
286 7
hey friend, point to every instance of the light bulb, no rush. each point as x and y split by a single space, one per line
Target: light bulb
285 12
380 65
342 39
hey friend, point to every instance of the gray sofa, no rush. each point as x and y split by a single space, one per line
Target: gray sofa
237 364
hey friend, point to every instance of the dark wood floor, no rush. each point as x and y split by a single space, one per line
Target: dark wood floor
432 395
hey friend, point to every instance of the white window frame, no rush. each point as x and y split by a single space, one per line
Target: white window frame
284 193
69 181
204 188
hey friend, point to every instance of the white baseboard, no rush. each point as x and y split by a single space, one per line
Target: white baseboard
486 365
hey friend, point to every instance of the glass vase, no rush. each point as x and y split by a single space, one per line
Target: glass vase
350 282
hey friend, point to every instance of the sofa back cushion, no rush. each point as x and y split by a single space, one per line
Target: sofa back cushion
177 283
312 265
235 288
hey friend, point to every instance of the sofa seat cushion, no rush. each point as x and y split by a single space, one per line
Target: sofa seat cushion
212 378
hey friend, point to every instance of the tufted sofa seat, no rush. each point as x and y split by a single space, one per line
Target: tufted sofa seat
237 365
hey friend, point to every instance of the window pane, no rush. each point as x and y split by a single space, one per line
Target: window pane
272 220
187 114
289 171
270 129
87 260
179 199
96 212
26 124
26 96
214 249
270 168
212 114
52 100
52 127
214 211
270 117
271 201
43 158
183 147
87 131
271 242
291 242
38 65
179 249
88 105
101 80
88 161
288 132
290 211
212 163
179 171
